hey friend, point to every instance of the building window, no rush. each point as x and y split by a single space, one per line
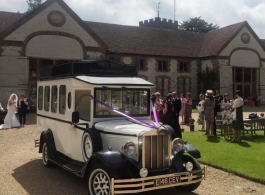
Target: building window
62 98
47 98
162 65
114 59
163 85
139 63
184 85
183 67
54 99
40 98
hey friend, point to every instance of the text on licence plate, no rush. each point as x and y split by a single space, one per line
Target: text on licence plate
167 180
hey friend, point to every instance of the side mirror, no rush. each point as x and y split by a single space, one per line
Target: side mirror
75 117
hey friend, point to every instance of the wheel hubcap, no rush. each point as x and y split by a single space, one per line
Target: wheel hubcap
101 184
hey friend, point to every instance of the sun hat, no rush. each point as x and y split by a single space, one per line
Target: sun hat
209 93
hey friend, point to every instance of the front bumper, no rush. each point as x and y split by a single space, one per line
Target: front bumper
128 186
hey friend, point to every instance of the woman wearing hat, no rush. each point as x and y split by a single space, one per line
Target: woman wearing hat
227 116
209 105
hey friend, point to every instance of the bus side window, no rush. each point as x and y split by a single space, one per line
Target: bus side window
47 98
40 98
54 99
62 98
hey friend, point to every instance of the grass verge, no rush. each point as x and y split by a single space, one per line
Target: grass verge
246 158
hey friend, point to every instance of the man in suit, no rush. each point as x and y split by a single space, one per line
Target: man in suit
22 110
1 114
177 107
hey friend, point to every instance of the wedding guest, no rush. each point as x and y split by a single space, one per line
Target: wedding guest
227 116
209 105
22 110
237 123
177 107
168 110
200 109
188 108
1 108
182 111
159 105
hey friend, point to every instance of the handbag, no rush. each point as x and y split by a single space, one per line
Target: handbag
253 115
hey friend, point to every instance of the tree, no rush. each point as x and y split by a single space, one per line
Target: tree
197 25
207 79
33 4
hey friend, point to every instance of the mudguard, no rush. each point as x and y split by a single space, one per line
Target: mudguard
47 137
192 150
114 160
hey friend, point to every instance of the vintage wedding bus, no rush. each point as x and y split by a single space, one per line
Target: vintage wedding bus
93 121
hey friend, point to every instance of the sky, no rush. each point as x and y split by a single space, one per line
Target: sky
130 12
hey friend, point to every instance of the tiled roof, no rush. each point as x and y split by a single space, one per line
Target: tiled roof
8 18
216 39
148 41
151 41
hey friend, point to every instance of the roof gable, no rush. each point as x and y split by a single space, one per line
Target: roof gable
43 26
216 40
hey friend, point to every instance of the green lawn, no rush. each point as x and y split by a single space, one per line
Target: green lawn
194 111
246 158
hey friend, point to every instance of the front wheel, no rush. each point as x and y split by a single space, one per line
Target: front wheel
45 159
99 180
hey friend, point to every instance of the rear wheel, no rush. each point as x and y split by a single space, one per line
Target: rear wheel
45 159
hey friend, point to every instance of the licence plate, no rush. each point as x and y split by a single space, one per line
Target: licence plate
167 180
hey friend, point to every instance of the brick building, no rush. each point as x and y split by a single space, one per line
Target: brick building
170 58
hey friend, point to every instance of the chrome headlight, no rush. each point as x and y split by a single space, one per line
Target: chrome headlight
128 148
177 145
143 172
189 166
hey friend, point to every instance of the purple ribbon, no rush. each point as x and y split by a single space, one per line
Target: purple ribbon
155 116
121 113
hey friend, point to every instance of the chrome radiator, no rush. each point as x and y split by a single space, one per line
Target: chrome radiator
156 151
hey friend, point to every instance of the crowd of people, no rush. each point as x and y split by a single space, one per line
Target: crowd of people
169 110
15 107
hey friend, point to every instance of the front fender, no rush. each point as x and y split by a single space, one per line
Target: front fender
114 160
192 150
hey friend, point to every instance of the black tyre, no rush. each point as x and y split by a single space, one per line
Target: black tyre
196 166
99 180
45 156
91 143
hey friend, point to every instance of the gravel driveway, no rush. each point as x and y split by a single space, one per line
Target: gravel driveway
22 172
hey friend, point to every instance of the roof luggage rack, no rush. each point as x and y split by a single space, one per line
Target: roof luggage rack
99 67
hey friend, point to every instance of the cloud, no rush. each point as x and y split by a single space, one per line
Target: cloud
130 12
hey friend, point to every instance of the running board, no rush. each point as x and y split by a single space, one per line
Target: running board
68 164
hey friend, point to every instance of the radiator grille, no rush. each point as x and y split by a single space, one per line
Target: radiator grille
156 151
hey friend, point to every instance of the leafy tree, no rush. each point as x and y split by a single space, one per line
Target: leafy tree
207 78
197 25
33 4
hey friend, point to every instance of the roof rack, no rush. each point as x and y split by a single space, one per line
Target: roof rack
98 67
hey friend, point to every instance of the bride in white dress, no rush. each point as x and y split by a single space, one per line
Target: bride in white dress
11 120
